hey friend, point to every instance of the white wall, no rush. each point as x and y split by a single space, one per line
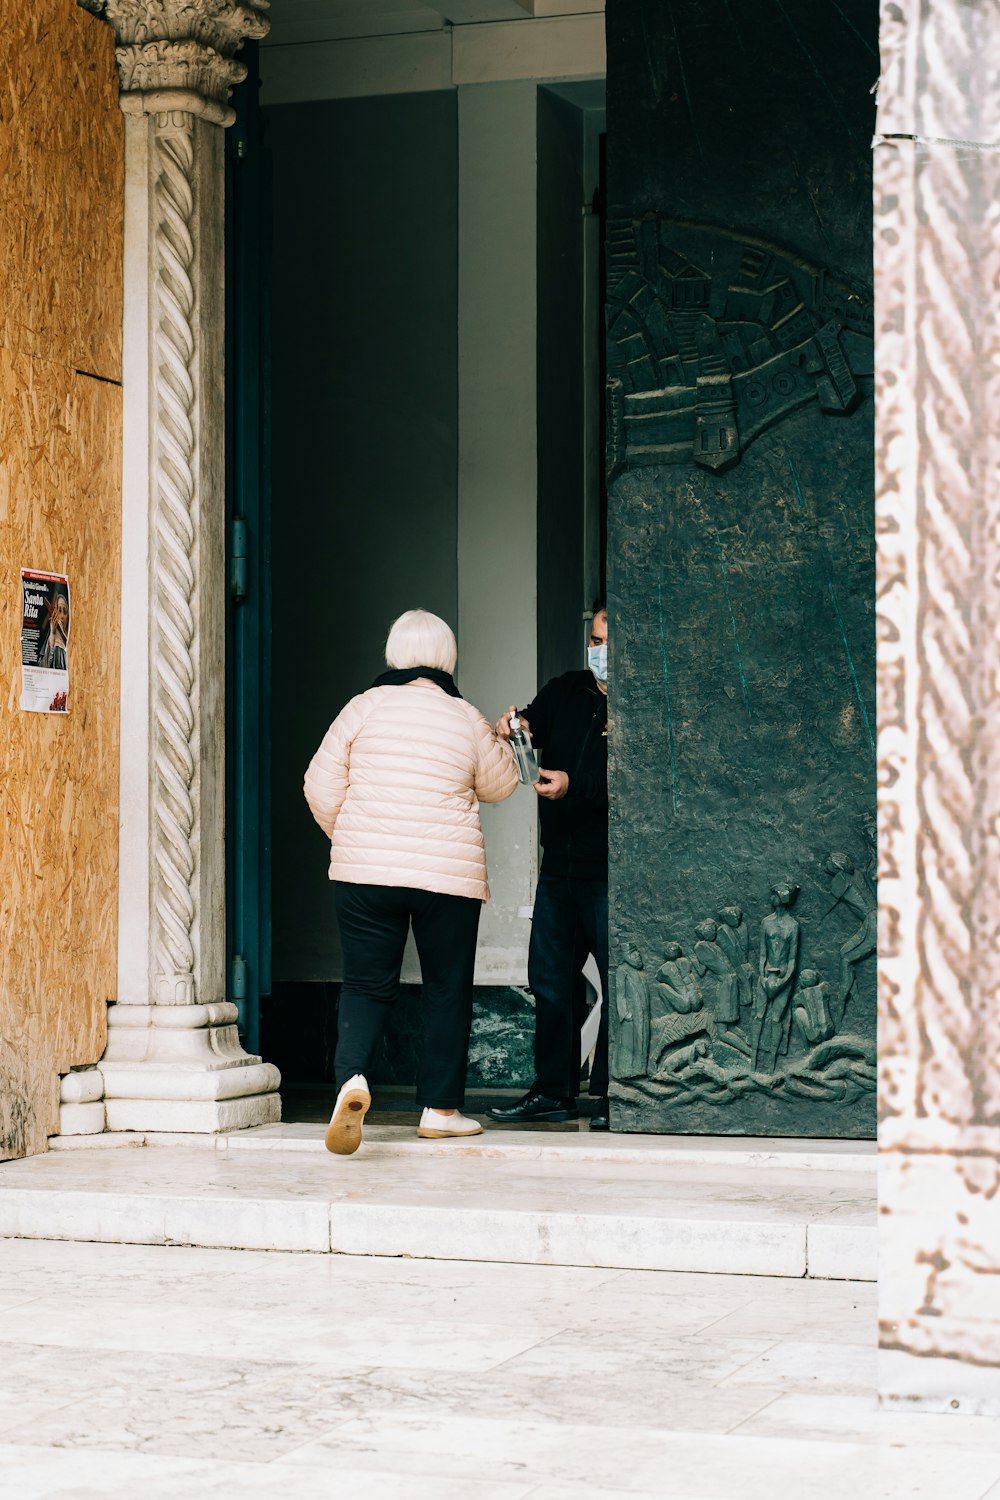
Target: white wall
497 470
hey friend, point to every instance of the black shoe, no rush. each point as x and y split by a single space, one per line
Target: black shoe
600 1119
535 1106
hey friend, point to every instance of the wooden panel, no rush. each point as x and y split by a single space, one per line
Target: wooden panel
60 485
61 186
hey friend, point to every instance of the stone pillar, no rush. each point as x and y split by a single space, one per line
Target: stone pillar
937 262
173 1061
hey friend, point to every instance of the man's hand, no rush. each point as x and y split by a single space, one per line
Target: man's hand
503 724
552 785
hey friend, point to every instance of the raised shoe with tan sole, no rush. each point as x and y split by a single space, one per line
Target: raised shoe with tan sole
343 1134
434 1126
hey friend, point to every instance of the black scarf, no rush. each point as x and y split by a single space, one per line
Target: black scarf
410 674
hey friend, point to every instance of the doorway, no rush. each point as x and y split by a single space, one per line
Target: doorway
372 503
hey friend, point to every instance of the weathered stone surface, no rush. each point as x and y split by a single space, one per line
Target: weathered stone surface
741 563
178 54
937 260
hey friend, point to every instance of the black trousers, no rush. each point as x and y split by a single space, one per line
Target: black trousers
570 920
374 923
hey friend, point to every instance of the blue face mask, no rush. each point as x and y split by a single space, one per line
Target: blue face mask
597 661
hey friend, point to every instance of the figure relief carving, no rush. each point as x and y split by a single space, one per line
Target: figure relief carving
713 337
854 890
811 1012
727 1018
721 975
677 981
632 1015
779 956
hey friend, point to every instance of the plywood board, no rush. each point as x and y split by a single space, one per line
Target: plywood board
60 485
61 186
61 209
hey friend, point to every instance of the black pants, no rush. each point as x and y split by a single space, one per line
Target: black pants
374 923
570 920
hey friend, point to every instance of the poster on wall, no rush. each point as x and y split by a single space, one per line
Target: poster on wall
45 618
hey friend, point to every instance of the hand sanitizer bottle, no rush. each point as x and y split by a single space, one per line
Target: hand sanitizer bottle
527 760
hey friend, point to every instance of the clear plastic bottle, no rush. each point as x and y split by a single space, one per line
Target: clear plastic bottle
527 760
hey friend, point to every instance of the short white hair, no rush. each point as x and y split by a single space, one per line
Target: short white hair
420 639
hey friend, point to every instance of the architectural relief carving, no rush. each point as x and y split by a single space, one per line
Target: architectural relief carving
158 67
723 975
858 896
221 25
779 956
632 1013
721 1025
178 54
175 486
714 337
937 262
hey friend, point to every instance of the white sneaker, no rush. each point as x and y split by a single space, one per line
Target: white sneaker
435 1126
343 1134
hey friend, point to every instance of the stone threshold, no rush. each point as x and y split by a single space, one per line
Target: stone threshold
563 1143
633 1203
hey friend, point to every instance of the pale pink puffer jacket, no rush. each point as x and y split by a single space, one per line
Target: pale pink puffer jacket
396 784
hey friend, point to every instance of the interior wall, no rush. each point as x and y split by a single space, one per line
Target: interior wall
498 473
442 266
61 199
364 439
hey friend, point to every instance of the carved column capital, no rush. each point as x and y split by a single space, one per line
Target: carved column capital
180 54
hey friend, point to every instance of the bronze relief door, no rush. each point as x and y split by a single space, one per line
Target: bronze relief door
740 566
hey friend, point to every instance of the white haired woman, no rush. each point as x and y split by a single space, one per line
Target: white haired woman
396 786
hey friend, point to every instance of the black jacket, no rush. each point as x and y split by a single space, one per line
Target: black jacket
569 726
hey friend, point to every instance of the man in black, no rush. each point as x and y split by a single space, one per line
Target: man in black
568 724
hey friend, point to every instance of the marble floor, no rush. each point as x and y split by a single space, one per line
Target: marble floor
172 1373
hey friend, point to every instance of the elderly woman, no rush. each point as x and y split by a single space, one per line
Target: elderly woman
396 786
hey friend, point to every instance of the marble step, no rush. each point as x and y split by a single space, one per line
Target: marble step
577 1143
439 1200
574 1142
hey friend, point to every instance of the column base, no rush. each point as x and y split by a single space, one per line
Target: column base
180 1068
939 1266
81 1102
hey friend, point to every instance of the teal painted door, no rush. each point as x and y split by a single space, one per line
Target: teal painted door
248 836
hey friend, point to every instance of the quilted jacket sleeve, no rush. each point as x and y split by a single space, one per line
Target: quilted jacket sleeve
326 780
496 773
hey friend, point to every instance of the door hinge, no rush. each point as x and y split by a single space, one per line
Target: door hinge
238 978
238 572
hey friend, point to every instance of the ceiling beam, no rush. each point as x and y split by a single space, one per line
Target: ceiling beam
539 8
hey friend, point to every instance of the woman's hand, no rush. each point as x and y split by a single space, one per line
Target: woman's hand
503 724
552 785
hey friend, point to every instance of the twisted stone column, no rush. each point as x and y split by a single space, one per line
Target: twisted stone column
174 1062
937 256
